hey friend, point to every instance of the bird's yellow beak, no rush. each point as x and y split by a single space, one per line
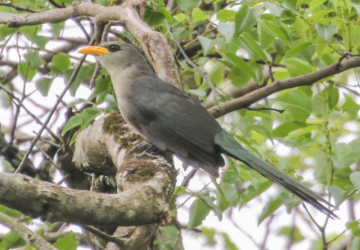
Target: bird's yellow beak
94 50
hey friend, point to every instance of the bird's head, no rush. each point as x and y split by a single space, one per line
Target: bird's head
115 56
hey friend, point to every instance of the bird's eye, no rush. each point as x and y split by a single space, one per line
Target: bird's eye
114 48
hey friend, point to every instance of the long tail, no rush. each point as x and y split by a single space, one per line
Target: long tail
233 149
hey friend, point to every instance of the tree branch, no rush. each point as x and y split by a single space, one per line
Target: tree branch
31 237
274 87
154 43
36 198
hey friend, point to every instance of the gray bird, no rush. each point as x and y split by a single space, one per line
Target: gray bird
172 121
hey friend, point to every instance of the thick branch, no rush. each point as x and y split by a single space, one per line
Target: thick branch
31 237
274 87
54 203
57 15
154 43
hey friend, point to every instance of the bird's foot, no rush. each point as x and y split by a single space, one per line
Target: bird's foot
140 145
145 153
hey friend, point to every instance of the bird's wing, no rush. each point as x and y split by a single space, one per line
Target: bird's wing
172 120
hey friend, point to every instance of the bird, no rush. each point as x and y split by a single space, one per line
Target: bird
172 121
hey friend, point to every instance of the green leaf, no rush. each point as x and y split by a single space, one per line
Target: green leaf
355 244
198 15
262 130
253 191
153 18
241 65
84 73
57 28
326 31
225 15
206 44
292 233
237 76
314 4
289 200
320 105
298 67
43 85
285 128
230 193
170 235
350 107
187 5
209 201
198 93
333 96
257 114
273 8
40 41
199 209
6 31
269 209
88 115
167 14
288 17
15 214
227 29
180 190
11 240
297 49
277 31
229 176
67 242
296 104
301 131
61 61
266 38
246 17
34 59
338 194
355 179
180 17
255 47
30 30
73 122
26 71
353 224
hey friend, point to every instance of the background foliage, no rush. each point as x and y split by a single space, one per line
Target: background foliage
239 44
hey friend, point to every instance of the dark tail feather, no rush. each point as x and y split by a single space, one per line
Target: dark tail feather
232 148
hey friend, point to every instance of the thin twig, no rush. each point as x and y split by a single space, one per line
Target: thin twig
120 35
203 73
4 45
23 94
312 218
271 109
104 236
243 231
267 232
13 97
188 177
33 142
47 157
63 179
104 37
347 88
95 75
55 4
310 225
79 24
20 8
337 236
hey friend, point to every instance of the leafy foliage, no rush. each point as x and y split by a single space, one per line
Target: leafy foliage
237 43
